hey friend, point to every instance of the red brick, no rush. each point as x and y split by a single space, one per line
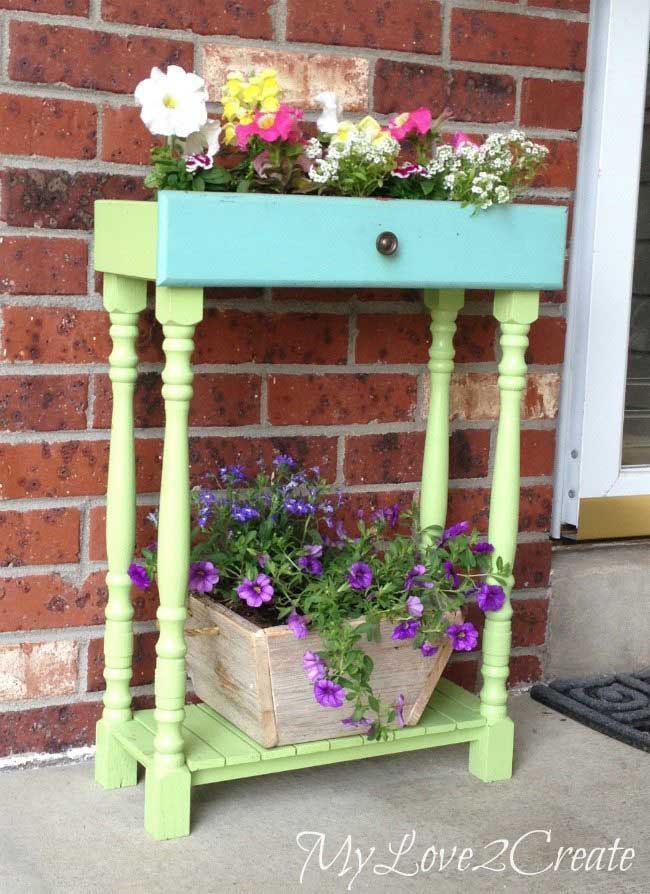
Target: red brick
341 399
529 620
219 399
537 451
298 293
533 564
473 505
93 595
362 505
43 403
476 396
405 85
95 60
396 457
145 532
126 139
37 670
70 469
231 336
512 39
554 104
58 128
546 340
52 729
55 335
407 25
481 97
59 199
31 265
561 166
524 669
245 18
52 7
576 5
144 661
405 338
463 673
39 537
207 454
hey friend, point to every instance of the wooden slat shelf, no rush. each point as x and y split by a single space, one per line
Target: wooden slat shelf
215 749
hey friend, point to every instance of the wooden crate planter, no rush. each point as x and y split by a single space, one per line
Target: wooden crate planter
251 675
188 241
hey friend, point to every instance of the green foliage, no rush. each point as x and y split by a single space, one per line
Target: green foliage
168 171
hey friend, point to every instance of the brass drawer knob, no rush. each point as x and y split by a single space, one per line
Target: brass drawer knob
387 243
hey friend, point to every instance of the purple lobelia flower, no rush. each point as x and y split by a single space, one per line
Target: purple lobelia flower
203 577
389 514
399 710
454 531
283 459
139 576
406 629
329 694
428 649
244 513
255 592
360 576
298 507
464 637
450 574
297 625
414 606
490 597
232 473
314 666
482 547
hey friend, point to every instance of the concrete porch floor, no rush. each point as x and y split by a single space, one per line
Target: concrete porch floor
60 833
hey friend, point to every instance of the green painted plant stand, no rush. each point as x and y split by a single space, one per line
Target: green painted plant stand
187 241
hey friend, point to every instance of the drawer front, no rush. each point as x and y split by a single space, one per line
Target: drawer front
243 240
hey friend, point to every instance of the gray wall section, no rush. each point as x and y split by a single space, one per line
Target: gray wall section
600 611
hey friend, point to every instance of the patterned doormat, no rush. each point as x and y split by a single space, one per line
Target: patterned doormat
617 705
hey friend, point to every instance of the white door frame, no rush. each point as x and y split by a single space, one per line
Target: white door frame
588 462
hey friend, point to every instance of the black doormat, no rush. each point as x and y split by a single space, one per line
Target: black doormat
617 705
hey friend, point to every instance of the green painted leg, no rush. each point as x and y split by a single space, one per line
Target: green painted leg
444 305
168 780
490 757
167 802
124 298
114 766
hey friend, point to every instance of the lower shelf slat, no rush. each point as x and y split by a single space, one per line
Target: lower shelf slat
216 750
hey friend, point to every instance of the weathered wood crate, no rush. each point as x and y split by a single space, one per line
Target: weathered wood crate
253 676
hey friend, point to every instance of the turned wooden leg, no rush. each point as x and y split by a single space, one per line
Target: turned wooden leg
444 305
124 298
168 780
491 755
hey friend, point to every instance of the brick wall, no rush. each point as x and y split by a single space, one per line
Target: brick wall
335 376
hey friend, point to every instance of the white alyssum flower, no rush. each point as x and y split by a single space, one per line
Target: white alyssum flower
313 149
204 141
328 120
173 103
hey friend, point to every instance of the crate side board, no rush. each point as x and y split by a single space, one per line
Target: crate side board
126 237
265 240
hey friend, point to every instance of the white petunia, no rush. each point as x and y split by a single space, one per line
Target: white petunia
205 140
328 120
174 103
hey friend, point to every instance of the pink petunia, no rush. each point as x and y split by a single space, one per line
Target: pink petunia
270 126
460 138
407 123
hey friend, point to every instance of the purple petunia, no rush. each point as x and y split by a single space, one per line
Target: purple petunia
464 637
314 666
362 722
297 625
490 597
454 531
203 577
360 576
262 559
139 576
406 629
482 547
428 649
399 710
311 565
389 513
414 606
450 574
255 592
412 578
329 694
